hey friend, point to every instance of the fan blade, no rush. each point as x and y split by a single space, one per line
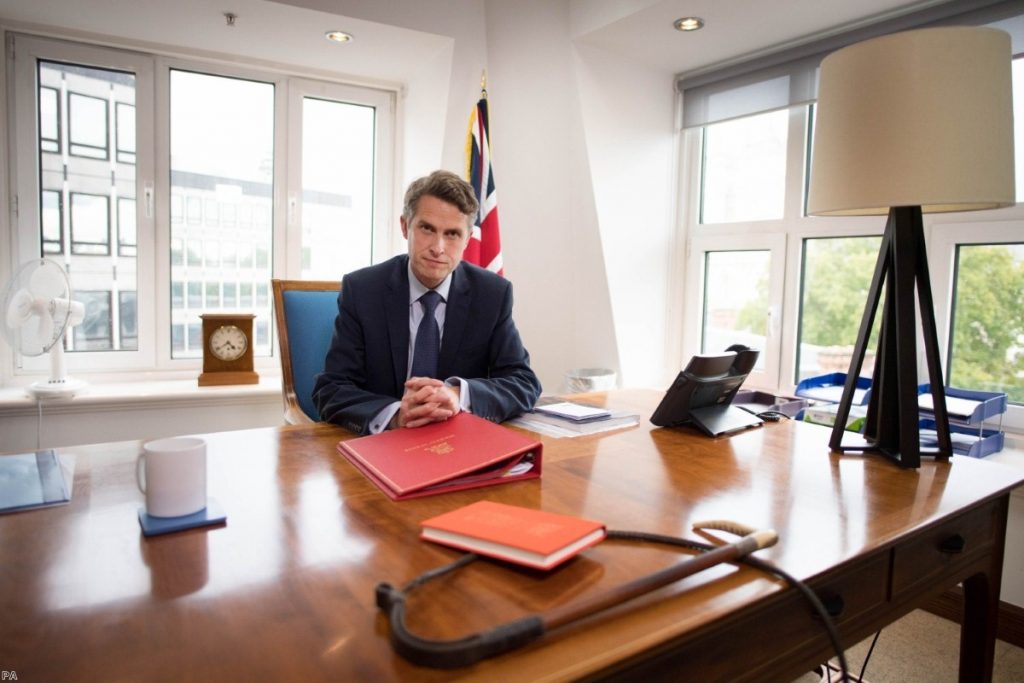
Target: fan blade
48 281
29 343
19 310
45 331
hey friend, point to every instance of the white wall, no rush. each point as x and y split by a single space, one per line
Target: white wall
549 227
583 153
630 141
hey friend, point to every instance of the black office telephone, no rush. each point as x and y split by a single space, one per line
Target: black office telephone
702 393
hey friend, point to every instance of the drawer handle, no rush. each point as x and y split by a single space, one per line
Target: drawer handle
834 605
953 545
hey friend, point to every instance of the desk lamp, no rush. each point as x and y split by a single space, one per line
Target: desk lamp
909 123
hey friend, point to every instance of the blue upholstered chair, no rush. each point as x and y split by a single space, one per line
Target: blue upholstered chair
305 311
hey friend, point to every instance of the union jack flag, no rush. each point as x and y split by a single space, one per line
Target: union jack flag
484 247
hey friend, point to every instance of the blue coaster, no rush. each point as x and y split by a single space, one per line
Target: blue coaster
208 516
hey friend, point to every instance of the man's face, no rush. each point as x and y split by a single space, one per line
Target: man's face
437 236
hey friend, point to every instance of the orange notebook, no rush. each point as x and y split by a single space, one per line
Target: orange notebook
534 538
464 452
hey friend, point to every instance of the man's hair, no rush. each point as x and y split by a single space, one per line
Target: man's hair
445 186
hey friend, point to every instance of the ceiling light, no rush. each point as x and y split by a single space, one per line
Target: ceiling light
338 36
689 24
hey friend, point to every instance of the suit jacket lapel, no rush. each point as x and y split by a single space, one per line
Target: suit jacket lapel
456 314
396 308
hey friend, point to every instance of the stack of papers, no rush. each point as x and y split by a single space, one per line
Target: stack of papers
963 408
574 412
574 419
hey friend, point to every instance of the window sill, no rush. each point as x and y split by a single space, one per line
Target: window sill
178 393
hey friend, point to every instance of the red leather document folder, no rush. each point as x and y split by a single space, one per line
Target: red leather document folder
464 452
534 538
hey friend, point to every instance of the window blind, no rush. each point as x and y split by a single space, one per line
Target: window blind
788 76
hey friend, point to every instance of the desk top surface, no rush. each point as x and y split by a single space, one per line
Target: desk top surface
286 589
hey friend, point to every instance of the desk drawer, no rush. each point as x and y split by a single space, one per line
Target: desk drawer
942 551
854 591
780 634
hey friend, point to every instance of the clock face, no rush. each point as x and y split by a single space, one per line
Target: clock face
228 343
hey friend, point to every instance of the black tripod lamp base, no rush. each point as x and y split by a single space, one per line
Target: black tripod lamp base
891 426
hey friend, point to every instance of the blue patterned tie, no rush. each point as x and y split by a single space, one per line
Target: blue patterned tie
428 339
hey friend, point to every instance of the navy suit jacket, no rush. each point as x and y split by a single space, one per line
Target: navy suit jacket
366 366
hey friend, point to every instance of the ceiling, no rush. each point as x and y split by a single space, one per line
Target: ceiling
640 30
734 29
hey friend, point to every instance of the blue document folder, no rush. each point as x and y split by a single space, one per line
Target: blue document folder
32 480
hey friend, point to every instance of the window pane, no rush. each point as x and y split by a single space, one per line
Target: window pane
84 194
744 175
987 345
736 301
836 277
125 133
222 162
127 240
49 119
127 308
337 187
95 332
87 117
212 295
195 296
53 222
90 224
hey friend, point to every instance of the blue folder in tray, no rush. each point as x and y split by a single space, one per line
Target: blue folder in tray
830 388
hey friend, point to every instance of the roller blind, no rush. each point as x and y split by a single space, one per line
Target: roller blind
789 76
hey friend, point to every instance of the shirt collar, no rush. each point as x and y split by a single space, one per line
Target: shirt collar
416 288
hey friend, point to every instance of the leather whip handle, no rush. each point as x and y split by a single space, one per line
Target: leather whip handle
645 584
450 654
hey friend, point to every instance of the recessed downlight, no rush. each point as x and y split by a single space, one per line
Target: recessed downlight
689 24
338 36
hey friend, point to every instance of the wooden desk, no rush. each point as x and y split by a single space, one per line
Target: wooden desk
285 591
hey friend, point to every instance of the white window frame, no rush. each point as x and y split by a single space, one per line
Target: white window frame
383 211
153 359
25 180
742 236
943 232
164 66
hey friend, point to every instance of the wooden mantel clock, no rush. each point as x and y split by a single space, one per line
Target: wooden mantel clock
227 349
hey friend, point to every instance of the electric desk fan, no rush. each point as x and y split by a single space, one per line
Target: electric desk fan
37 310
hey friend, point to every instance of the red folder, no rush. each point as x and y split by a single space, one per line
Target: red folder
464 452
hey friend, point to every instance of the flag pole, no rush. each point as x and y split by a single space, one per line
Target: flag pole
483 84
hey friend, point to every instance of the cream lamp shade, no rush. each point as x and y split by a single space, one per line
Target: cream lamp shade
920 118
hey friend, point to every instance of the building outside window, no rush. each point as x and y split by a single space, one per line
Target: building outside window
247 192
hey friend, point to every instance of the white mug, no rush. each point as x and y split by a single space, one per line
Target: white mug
172 474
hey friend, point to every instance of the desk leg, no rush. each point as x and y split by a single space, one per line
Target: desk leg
981 610
978 631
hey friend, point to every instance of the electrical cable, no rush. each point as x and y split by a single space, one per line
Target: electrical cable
473 648
757 563
864 666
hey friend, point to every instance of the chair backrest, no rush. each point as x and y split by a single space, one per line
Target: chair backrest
305 311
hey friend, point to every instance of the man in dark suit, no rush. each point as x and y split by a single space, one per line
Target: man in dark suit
369 384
